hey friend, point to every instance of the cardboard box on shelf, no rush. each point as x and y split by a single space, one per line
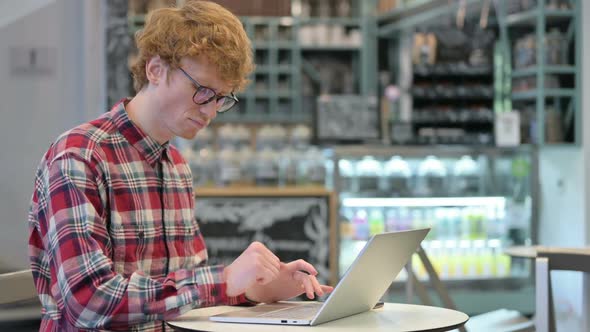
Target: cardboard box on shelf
257 7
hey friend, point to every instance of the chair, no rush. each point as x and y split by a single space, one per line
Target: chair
549 259
18 297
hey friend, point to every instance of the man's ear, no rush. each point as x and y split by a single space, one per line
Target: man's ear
155 70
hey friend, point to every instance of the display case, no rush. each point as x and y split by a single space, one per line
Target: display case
476 201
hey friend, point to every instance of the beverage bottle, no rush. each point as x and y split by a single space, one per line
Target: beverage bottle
391 220
376 222
443 224
417 219
346 227
465 224
477 222
430 221
361 225
454 217
405 219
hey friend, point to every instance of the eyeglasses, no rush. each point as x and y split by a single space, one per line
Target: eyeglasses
204 95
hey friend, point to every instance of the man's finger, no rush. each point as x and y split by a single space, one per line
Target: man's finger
305 280
302 265
316 285
327 289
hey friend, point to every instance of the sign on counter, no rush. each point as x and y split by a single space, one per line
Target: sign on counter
292 226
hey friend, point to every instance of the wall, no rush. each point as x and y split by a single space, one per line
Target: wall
565 212
562 221
586 147
35 108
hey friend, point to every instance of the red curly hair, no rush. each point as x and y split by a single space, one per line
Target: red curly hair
197 28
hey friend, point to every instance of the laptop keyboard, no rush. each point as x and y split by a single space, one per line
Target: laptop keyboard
298 312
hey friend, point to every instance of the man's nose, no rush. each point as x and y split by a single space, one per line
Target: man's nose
210 110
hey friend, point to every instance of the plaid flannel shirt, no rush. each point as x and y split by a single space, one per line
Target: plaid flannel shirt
113 241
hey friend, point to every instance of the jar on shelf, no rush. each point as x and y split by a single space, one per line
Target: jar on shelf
431 177
311 168
368 174
397 176
247 164
346 170
267 167
300 137
466 177
288 161
228 167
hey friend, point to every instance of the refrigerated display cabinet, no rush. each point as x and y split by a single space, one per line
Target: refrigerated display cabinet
477 202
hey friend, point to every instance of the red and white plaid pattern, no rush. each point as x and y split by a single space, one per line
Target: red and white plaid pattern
113 241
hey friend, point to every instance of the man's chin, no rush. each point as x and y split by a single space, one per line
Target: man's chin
189 135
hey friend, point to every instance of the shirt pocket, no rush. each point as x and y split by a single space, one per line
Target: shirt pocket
190 244
129 246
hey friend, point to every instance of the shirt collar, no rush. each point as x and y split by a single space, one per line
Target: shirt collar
147 146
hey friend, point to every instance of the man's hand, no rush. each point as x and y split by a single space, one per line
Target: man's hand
294 279
255 266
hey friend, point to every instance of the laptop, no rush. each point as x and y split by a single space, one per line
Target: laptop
363 284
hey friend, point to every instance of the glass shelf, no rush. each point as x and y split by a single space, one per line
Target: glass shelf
529 17
424 201
330 48
530 71
346 21
547 93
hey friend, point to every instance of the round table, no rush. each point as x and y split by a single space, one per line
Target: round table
392 317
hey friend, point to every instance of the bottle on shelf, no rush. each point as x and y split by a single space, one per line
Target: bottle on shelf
417 219
376 221
361 225
346 227
478 221
392 223
405 219
430 221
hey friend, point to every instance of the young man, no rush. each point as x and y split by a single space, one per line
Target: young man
113 241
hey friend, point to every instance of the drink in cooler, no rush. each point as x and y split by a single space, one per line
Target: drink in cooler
376 222
361 225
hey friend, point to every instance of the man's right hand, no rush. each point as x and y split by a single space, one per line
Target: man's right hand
256 265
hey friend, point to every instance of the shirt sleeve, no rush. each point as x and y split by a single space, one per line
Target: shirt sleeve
88 292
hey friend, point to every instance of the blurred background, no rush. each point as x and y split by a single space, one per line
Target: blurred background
465 116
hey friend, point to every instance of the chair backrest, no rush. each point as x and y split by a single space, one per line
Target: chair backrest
17 286
567 259
548 259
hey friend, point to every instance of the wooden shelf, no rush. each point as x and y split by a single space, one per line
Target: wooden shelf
246 191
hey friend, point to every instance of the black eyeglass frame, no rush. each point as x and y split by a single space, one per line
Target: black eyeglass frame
215 96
